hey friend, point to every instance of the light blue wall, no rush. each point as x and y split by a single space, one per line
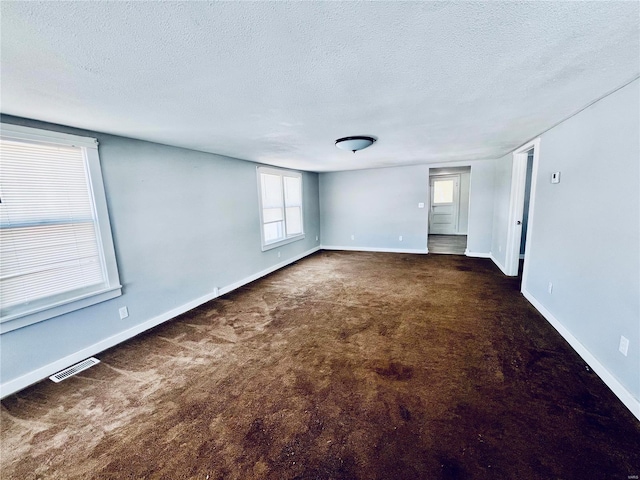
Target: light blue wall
463 215
585 231
379 205
183 223
501 199
480 208
376 206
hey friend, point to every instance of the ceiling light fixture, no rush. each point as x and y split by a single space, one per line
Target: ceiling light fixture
355 143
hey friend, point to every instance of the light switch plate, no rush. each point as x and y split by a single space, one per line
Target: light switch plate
555 177
624 345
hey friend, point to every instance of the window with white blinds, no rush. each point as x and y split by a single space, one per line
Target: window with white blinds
52 230
280 193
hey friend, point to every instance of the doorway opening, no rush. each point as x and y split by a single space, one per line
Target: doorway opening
525 210
523 182
448 210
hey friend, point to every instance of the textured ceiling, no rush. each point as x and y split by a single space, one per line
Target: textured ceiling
278 82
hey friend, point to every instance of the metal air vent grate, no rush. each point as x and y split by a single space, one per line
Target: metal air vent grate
72 370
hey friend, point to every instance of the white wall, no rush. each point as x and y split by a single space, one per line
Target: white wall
379 205
183 222
585 235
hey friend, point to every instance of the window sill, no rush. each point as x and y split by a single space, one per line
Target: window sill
271 246
29 317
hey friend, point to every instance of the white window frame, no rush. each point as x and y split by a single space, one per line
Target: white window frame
112 287
281 173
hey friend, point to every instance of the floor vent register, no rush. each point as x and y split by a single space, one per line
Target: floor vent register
73 369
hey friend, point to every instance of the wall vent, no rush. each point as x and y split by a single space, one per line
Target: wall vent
73 369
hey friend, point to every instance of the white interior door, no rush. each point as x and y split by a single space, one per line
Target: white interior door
443 216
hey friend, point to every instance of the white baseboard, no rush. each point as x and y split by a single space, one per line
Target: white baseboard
375 249
41 373
632 403
500 266
477 254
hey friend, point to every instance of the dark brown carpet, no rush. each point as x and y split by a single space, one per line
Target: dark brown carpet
342 366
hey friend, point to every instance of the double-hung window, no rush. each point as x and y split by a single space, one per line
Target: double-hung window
280 194
56 250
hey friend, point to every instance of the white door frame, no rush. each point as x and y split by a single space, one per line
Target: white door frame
428 193
516 206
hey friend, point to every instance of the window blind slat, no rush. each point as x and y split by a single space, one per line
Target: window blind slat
20 290
48 239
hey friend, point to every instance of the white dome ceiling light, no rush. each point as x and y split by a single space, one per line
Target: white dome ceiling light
355 143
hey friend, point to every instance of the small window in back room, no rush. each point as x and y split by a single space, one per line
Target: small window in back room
280 194
55 239
443 191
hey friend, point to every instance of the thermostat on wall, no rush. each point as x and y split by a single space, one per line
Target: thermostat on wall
555 177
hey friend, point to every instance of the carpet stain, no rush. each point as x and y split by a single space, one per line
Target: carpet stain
345 365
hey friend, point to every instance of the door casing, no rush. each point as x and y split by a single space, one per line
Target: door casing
516 207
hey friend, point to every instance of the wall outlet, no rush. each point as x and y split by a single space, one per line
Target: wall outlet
400 238
278 253
316 238
499 248
353 237
421 205
216 291
550 287
124 312
624 345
